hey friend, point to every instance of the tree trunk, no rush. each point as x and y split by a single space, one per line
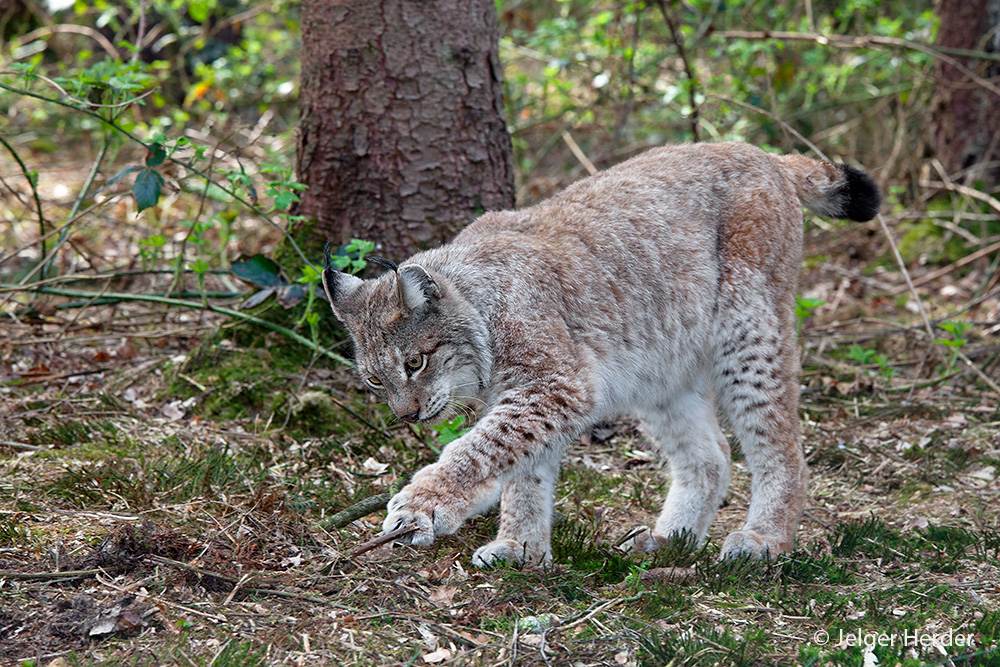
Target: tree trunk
966 124
402 139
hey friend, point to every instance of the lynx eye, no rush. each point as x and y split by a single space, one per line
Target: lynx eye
415 363
374 381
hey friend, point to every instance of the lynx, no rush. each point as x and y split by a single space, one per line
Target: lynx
661 288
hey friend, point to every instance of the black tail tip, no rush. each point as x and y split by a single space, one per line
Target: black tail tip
861 199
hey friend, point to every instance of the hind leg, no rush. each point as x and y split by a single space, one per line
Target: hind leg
756 378
687 434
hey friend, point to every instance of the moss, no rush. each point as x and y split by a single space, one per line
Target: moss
924 239
310 240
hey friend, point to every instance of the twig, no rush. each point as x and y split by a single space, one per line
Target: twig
140 32
578 153
380 540
34 192
906 276
116 105
229 191
167 301
52 576
951 267
780 121
992 202
364 507
975 369
593 611
852 42
688 70
104 42
22 445
630 81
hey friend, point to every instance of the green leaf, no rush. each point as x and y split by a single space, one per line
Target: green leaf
200 9
200 266
260 271
156 155
122 174
146 189
285 199
311 274
451 430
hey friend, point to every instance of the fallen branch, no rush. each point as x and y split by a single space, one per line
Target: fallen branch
363 508
356 511
53 576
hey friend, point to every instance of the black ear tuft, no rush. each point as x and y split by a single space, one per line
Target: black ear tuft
383 262
860 198
327 264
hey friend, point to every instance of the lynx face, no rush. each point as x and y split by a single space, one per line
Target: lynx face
422 349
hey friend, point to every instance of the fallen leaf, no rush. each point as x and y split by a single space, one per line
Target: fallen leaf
443 596
173 411
374 467
439 655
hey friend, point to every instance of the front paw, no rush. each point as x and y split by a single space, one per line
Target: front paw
428 512
753 545
511 552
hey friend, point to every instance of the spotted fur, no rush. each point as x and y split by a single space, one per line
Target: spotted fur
661 288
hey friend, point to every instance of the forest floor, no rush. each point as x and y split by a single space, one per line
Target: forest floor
165 477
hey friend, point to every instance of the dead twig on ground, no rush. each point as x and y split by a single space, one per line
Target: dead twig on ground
385 538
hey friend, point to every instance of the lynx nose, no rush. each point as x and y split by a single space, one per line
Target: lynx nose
411 418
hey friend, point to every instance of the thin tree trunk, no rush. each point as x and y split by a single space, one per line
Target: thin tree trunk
966 123
402 139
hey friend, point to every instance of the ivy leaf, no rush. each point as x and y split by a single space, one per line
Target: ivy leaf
260 271
156 155
146 189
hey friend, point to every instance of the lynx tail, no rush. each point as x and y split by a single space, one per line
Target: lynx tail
833 190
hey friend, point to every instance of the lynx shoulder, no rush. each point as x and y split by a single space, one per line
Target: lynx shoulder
661 288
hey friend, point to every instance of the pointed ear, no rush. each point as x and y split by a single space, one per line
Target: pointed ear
340 289
416 287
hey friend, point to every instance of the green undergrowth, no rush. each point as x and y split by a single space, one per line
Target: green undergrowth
263 380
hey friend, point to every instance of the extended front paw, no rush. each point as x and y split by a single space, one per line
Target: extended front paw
428 512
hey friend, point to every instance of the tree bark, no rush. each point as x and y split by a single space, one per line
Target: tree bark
966 123
402 139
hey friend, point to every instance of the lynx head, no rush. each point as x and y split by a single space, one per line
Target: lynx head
418 342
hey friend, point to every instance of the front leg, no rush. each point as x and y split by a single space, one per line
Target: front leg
525 531
527 425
